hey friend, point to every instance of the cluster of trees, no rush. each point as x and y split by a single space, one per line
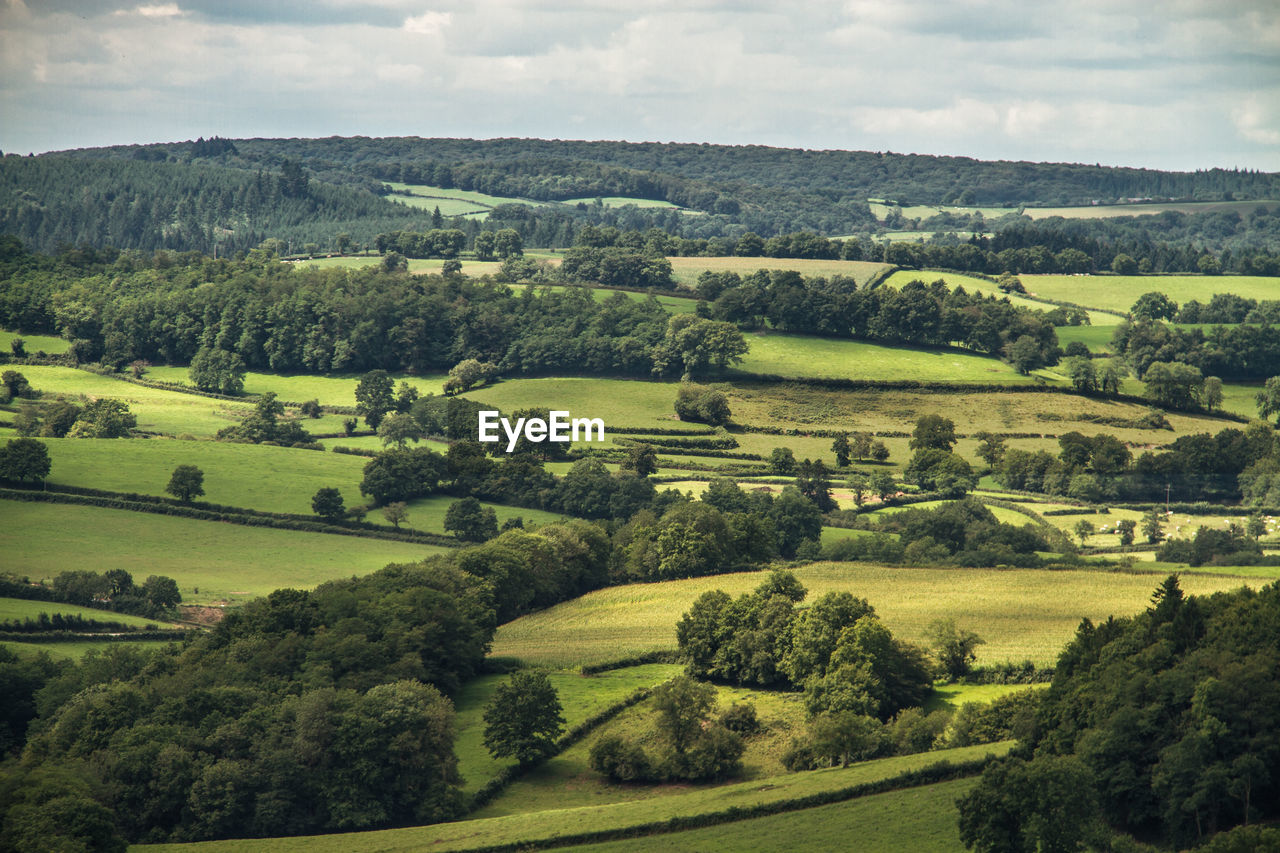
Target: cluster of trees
1237 545
932 315
435 243
105 417
115 589
275 317
1249 351
1165 725
1222 308
266 424
836 649
616 267
1228 465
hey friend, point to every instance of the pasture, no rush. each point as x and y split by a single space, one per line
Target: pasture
76 649
672 304
618 402
1021 613
517 829
687 270
18 609
336 389
623 201
211 561
427 514
1119 292
34 343
800 356
272 479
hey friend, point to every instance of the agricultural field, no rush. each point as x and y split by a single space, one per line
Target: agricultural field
452 202
211 561
619 402
518 828
687 270
623 201
18 609
271 479
427 514
331 390
1097 211
34 343
1119 292
74 650
1021 613
671 304
808 357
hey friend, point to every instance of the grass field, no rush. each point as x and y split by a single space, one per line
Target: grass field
619 402
273 479
1022 614
514 829
34 343
623 201
169 412
333 390
225 562
1096 211
76 649
673 304
801 356
919 819
428 513
1119 292
18 609
687 270
580 697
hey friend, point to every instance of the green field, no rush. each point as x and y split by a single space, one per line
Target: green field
580 697
623 201
672 304
77 649
919 819
225 562
514 829
1022 614
18 609
687 270
34 343
618 402
1119 292
1095 211
428 513
272 479
332 390
801 356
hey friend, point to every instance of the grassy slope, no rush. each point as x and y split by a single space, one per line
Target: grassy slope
580 697
687 270
1020 613
34 344
76 649
225 561
1119 292
462 835
920 819
428 513
17 609
274 479
333 390
619 402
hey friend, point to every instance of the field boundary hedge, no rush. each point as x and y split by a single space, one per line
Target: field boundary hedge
76 636
214 512
941 771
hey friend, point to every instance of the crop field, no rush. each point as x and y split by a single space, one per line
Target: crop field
422 195
273 479
34 343
687 270
799 406
804 357
211 561
1119 292
515 829
1021 613
879 209
18 609
580 697
921 818
1107 211
618 402
332 390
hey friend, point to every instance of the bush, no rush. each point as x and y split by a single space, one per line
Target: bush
741 719
620 760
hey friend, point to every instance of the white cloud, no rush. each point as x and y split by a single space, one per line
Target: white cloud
1256 123
159 10
428 23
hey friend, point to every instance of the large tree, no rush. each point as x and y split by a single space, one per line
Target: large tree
375 396
186 484
524 718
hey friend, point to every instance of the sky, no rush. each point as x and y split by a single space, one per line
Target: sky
1174 84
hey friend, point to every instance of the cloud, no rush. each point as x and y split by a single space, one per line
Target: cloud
428 23
1256 123
160 10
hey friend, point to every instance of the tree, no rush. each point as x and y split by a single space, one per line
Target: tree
161 591
104 418
1153 526
186 483
507 243
398 429
1154 306
933 431
860 445
952 647
641 460
1255 527
470 522
782 461
1084 529
990 448
1211 393
703 405
844 736
19 347
375 396
327 503
396 512
484 246
24 459
217 371
882 485
1268 399
841 448
940 471
1126 528
1173 384
1025 354
1123 264
1048 805
1081 372
15 384
524 718
858 488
